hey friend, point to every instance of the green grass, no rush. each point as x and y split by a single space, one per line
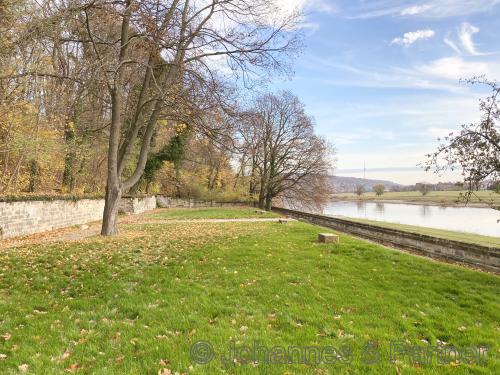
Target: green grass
439 197
135 304
450 235
211 213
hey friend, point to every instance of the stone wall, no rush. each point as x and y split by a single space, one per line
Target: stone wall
28 217
137 205
485 257
167 202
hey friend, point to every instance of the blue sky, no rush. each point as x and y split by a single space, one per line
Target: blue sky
381 77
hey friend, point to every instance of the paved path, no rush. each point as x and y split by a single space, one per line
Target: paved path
242 220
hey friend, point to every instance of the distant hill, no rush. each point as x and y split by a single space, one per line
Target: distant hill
349 184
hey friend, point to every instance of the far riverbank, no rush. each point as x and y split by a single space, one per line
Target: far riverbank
481 199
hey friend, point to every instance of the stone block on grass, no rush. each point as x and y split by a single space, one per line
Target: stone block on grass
328 238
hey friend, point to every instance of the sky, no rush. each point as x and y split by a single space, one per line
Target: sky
382 77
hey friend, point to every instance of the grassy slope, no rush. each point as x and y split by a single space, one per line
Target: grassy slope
211 213
450 235
135 304
440 197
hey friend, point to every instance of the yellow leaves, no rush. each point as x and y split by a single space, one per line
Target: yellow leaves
73 368
23 368
180 128
166 371
164 362
120 359
65 355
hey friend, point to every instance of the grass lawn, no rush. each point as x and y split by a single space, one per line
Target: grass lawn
450 235
211 213
439 197
136 303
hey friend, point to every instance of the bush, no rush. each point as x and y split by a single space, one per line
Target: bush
47 197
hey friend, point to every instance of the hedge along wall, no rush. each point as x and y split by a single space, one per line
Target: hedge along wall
484 257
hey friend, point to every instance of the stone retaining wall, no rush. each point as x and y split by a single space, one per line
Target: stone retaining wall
137 205
485 257
28 217
167 202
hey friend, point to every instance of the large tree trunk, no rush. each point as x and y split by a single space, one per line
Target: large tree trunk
110 216
34 176
68 180
262 200
269 202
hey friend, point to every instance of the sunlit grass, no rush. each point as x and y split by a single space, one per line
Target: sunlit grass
136 303
211 213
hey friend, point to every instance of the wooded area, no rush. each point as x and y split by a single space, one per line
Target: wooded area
118 97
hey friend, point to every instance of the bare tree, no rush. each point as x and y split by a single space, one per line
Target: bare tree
423 187
476 148
148 55
287 158
360 190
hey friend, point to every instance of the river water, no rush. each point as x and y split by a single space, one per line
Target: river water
460 219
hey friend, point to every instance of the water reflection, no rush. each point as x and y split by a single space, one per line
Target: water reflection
425 210
463 219
379 208
361 207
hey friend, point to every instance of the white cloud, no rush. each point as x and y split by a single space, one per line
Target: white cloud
441 74
305 7
456 68
452 44
309 27
465 34
439 132
290 6
429 9
413 36
416 9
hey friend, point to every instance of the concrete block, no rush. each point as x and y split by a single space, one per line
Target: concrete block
328 238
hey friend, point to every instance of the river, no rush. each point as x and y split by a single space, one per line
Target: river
460 219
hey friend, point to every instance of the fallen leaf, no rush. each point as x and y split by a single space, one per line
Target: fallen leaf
73 367
23 368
